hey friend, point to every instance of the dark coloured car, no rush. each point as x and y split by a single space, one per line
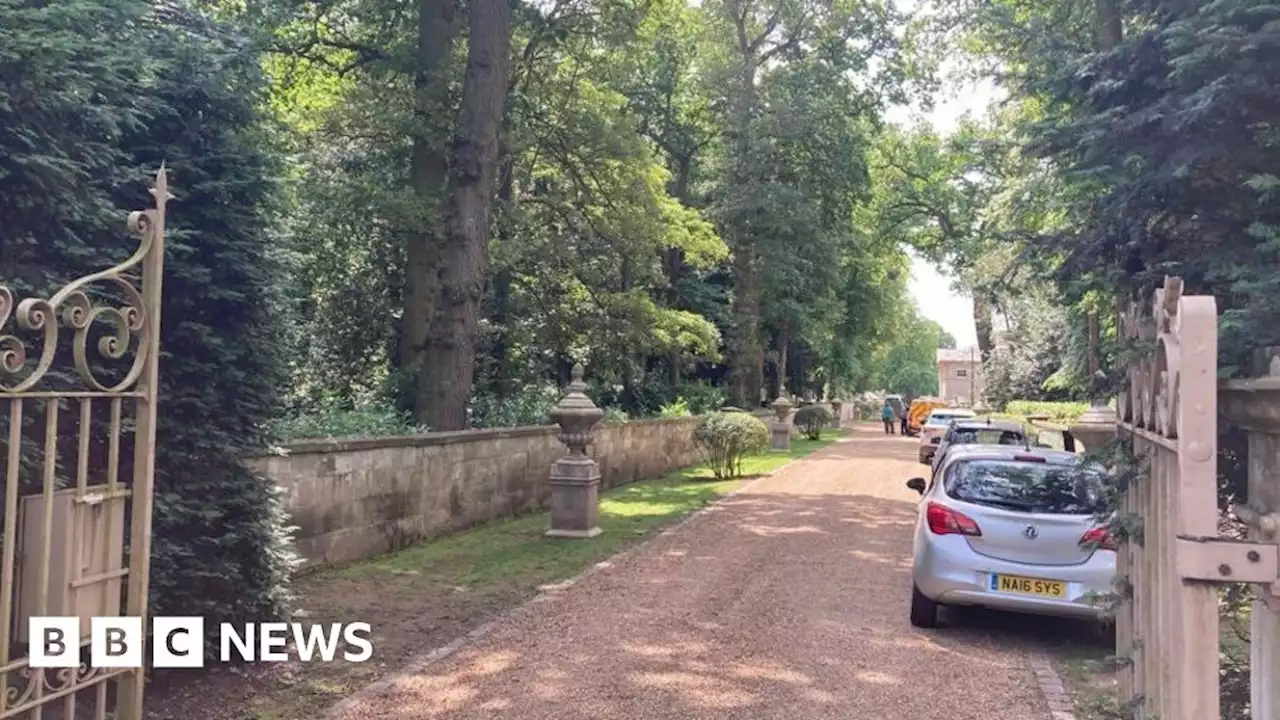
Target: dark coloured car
978 432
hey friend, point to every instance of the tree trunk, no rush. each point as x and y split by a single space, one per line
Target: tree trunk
748 357
504 375
428 173
747 364
1110 32
449 362
675 262
1110 29
982 324
784 342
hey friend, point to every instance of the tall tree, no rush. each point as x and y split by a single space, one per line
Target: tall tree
449 361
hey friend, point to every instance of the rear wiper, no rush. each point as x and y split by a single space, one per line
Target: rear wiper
1007 505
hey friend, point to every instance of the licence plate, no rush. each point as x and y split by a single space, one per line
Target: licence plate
1029 586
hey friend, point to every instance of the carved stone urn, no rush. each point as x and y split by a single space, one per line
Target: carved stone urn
575 478
1096 427
780 433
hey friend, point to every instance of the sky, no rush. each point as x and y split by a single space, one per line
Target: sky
931 287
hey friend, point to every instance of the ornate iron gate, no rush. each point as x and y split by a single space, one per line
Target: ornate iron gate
80 458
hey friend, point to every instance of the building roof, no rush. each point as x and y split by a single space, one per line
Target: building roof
958 355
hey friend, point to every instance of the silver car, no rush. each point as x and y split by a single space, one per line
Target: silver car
1010 528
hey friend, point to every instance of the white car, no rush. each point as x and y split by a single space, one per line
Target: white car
1008 528
935 427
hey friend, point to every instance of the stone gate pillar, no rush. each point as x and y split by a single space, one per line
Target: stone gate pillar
780 433
575 478
837 409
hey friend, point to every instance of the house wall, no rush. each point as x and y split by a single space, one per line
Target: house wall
960 390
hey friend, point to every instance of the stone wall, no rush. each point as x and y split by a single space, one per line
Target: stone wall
353 499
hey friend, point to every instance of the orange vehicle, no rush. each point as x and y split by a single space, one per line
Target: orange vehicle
919 412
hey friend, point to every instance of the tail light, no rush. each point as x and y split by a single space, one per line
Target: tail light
945 521
1099 538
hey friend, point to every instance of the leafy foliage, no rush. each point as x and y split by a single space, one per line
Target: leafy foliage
338 422
725 439
1154 122
219 546
91 113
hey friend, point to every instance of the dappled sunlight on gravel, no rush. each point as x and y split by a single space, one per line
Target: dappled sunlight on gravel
788 601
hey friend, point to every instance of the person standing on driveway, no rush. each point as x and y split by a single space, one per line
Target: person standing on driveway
886 414
902 416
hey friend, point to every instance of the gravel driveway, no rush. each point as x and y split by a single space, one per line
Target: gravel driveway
787 600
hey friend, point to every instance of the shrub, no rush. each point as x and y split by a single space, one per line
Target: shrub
700 397
361 421
529 405
726 438
1058 412
614 416
866 406
679 408
813 419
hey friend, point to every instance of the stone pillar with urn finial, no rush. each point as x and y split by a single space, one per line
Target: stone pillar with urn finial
575 478
780 433
1097 426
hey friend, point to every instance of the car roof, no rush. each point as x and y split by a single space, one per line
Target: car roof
989 425
1008 452
952 412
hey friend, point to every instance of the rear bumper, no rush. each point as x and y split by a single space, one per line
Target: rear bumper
1014 603
948 572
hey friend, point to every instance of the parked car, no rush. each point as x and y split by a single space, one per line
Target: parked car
1007 528
935 427
918 412
980 431
897 403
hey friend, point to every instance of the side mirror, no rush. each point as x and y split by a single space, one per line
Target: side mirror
916 484
936 441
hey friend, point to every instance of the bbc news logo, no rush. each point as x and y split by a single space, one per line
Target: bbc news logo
178 642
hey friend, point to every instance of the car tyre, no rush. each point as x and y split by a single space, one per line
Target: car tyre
924 612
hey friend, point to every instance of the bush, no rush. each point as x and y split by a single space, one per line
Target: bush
679 408
700 397
362 421
614 416
866 406
813 419
529 405
726 438
1058 412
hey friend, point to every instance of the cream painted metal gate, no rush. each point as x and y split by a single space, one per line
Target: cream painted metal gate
1168 627
80 412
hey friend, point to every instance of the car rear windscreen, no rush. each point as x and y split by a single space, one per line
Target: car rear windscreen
986 436
1026 486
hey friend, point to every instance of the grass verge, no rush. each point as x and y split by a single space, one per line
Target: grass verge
427 595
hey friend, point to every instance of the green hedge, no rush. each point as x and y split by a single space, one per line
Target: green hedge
1058 412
